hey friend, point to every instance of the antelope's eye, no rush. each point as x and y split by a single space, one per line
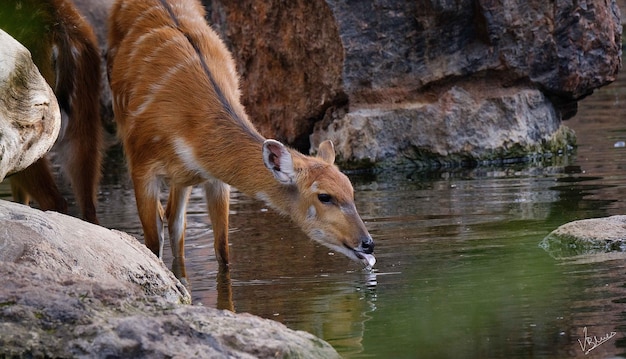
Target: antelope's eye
324 197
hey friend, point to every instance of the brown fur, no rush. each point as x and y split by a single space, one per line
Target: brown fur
178 111
75 76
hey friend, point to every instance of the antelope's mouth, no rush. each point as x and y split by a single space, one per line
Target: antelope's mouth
367 259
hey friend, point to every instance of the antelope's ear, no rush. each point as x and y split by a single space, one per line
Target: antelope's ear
278 160
326 152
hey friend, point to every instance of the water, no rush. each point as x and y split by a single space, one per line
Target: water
459 273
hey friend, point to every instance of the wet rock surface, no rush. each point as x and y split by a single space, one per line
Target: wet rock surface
72 289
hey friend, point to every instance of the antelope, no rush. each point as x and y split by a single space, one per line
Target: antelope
176 102
65 50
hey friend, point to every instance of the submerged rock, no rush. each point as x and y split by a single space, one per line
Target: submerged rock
72 289
587 236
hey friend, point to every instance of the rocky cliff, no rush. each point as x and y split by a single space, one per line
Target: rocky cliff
394 80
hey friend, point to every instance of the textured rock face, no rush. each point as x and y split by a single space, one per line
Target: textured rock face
29 112
72 289
563 48
290 58
476 123
399 54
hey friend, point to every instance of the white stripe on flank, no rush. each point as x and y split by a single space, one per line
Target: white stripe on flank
186 20
144 14
181 8
155 53
136 47
148 100
155 88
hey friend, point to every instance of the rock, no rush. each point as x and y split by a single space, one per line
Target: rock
587 236
72 289
69 246
29 113
407 46
397 55
291 67
464 123
407 53
622 6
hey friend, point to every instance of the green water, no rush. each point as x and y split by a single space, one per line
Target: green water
460 273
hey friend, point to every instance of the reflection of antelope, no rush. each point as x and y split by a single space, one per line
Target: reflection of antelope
178 112
65 50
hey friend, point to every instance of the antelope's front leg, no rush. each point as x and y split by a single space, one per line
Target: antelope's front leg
150 211
175 213
218 199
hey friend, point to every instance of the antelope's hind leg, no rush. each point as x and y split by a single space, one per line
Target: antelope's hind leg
82 167
37 181
218 200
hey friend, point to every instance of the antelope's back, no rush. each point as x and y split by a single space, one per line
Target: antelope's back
166 64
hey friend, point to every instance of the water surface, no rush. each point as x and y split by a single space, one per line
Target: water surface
459 273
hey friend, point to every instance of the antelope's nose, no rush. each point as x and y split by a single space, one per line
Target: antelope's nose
367 244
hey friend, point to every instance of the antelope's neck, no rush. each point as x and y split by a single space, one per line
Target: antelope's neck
241 166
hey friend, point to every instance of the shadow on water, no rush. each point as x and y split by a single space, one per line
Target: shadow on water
460 272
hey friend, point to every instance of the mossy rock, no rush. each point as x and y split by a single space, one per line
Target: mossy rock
588 236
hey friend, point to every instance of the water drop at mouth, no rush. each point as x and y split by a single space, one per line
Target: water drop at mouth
371 260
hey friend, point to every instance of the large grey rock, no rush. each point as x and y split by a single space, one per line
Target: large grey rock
463 123
72 289
587 236
54 242
29 113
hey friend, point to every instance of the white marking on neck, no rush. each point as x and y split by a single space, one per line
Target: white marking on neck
262 196
186 155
